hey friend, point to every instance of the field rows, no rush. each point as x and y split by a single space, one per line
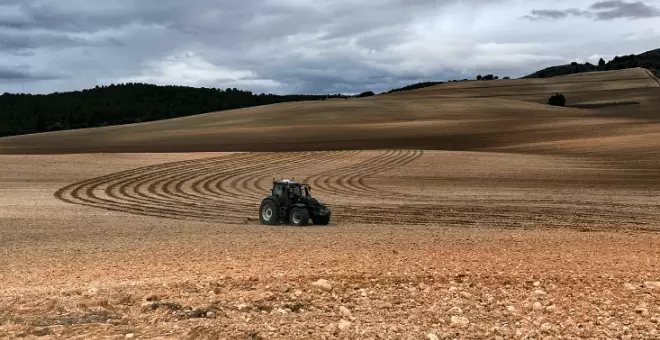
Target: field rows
229 189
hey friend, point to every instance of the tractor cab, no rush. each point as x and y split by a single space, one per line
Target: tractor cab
290 191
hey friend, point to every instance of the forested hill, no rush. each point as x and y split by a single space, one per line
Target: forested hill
123 104
649 60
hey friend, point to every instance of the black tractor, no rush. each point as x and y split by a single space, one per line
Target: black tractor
292 202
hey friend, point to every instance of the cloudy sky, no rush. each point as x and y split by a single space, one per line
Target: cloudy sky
306 46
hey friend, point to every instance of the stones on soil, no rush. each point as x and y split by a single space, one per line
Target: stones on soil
652 284
344 325
455 310
345 311
629 286
459 321
322 284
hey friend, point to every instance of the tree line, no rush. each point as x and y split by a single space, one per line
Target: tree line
124 104
649 60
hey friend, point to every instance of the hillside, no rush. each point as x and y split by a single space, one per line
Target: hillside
649 60
473 115
124 104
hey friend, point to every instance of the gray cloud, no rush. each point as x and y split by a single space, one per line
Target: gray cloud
18 41
614 9
553 14
279 46
603 10
85 16
21 73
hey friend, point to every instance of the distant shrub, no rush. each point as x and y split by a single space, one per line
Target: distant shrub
557 99
488 77
479 77
416 86
497 77
506 78
366 94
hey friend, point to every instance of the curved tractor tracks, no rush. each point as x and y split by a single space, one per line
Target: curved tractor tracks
349 181
229 189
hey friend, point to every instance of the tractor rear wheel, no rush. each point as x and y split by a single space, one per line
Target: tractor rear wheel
268 212
299 216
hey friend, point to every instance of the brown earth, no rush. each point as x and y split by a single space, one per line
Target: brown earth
535 222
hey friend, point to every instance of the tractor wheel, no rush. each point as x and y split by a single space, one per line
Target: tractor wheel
321 220
269 213
299 216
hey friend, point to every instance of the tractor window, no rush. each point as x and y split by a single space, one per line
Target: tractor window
296 191
277 191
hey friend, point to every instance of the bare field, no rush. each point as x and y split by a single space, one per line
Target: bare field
468 210
458 244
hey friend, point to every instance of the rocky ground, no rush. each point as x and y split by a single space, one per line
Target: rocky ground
429 284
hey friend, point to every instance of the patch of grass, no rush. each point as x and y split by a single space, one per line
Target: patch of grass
253 335
40 331
196 313
126 300
185 312
172 307
296 306
261 306
68 320
602 105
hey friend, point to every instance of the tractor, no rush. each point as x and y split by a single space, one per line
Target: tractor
292 202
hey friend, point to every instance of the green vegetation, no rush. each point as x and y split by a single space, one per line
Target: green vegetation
649 60
416 86
557 99
366 94
489 77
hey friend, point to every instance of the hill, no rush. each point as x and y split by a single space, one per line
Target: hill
649 60
124 104
474 115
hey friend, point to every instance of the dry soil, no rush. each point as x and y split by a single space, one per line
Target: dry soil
518 221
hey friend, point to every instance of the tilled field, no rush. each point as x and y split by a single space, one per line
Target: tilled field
229 188
423 245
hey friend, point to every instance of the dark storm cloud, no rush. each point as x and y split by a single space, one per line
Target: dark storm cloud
613 9
23 74
22 41
83 15
603 10
555 14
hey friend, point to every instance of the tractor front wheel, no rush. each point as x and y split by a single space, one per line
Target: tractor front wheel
269 213
321 220
299 216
